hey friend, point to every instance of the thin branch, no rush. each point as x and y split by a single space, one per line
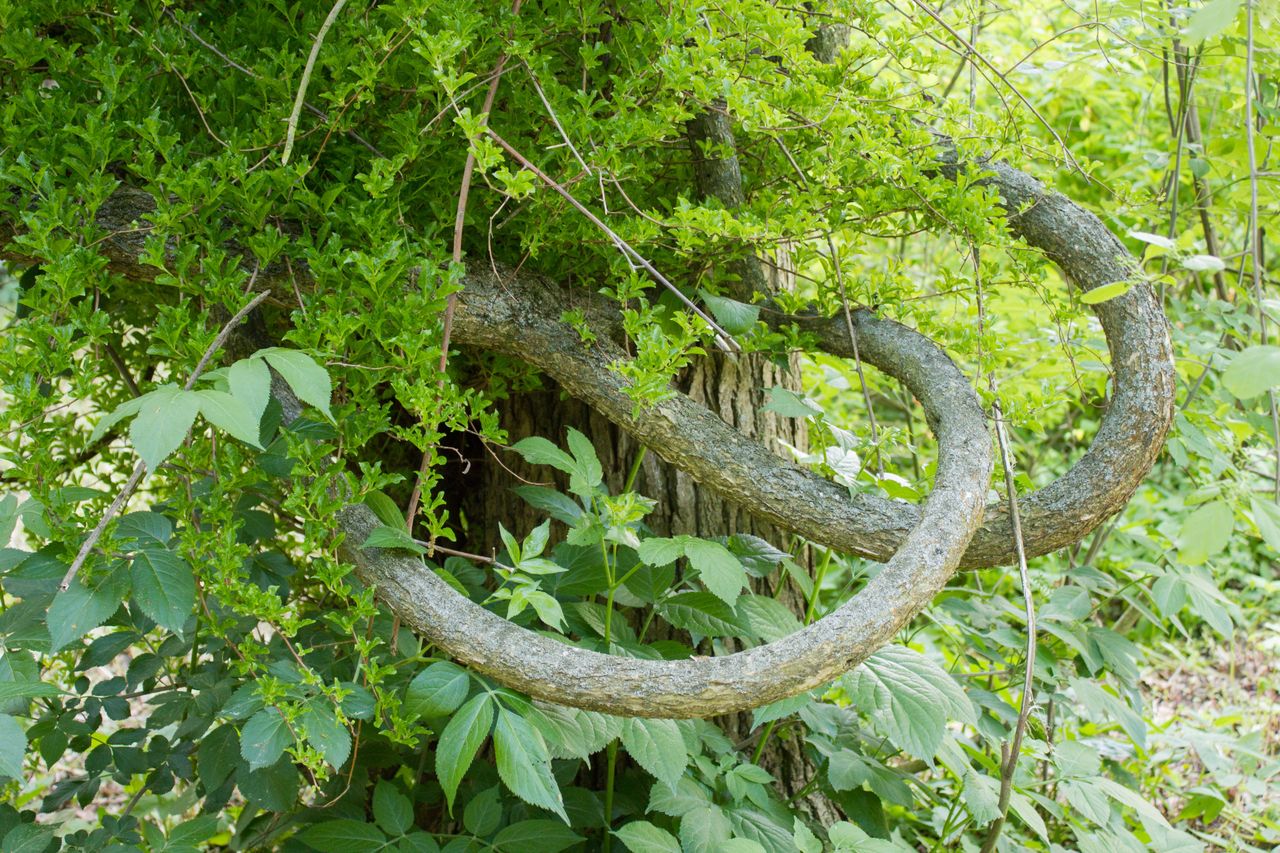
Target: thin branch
1255 227
306 80
451 304
139 470
1010 751
723 339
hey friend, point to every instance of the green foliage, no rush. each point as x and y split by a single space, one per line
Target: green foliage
215 677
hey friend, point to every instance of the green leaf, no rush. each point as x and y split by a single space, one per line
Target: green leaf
656 745
1205 532
27 838
192 832
535 836
703 614
777 710
524 764
308 380
395 538
720 571
1253 371
587 473
1204 263
438 690
768 618
13 745
230 415
385 509
483 812
79 608
164 418
641 836
391 809
1267 516
11 690
704 829
657 551
343 836
789 404
536 450
144 529
909 697
459 742
164 587
323 731
1106 291
218 755
1211 19
264 738
250 383
559 506
734 317
126 409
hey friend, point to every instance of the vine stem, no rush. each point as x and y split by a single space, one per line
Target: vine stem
1010 751
140 470
301 97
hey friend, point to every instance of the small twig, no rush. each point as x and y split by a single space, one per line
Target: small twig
1255 225
1071 160
139 470
451 303
555 120
1010 751
306 80
723 339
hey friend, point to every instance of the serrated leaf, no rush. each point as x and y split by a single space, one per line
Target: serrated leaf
144 528
27 838
657 551
230 415
1205 532
264 738
13 745
308 379
217 756
438 690
587 472
80 608
391 809
656 745
461 739
734 317
777 710
535 836
524 764
325 733
250 382
396 538
641 836
11 690
768 618
164 587
703 829
720 571
702 614
1253 371
343 836
909 697
164 418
